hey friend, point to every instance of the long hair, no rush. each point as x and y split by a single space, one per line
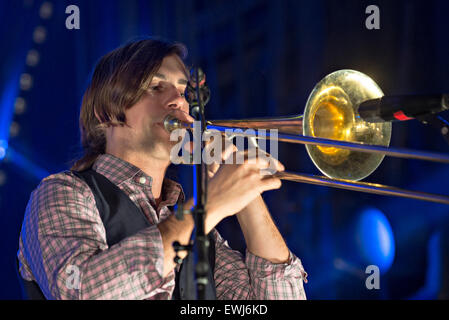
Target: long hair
118 82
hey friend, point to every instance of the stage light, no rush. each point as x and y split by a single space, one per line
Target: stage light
14 129
3 148
26 81
32 58
39 34
375 239
46 10
26 164
19 105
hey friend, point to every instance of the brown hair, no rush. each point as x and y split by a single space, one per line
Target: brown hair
118 82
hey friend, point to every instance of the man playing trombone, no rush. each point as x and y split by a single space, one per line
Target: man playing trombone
70 246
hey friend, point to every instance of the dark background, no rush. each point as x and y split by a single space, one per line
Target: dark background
261 58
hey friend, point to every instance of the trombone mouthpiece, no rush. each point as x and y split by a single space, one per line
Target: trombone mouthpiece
171 123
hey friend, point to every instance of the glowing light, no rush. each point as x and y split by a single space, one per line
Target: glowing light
32 58
14 129
26 164
39 34
3 148
20 105
375 239
46 10
26 81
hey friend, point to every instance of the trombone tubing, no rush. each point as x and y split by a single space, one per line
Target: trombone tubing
388 151
362 187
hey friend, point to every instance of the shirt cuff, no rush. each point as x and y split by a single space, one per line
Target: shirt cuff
264 269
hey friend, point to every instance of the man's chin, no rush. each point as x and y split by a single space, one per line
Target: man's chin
159 139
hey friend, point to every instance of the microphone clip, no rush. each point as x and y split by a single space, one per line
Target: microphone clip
197 80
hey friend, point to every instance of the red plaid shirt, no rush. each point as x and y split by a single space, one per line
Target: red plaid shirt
63 246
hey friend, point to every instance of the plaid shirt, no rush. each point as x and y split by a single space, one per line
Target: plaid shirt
63 246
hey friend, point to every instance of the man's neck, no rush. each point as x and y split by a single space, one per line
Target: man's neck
152 166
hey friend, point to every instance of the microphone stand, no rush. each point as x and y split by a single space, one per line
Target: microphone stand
198 94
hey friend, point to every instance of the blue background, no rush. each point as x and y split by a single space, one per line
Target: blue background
261 58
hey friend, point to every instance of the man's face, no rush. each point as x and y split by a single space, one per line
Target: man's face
164 97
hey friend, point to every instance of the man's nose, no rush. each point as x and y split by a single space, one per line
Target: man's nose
177 100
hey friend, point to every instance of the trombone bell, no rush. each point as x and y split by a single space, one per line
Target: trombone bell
331 113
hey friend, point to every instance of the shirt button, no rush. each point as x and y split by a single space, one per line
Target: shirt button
142 180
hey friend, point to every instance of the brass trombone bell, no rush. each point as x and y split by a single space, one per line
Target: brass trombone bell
331 113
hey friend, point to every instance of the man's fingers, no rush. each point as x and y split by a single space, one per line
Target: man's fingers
189 147
228 148
266 162
279 166
270 183
263 160
271 163
181 115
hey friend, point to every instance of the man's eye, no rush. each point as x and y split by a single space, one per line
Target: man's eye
156 87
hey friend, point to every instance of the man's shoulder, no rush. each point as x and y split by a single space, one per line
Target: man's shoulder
60 177
64 181
58 194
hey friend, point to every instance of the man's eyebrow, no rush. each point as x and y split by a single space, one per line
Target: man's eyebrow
160 75
163 77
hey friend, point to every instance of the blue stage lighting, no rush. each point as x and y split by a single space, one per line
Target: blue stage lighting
3 148
375 239
8 96
26 164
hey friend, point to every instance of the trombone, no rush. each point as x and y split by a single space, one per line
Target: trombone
344 147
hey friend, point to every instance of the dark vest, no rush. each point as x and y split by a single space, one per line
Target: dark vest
121 219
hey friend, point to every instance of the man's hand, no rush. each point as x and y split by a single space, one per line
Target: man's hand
233 186
251 211
182 115
229 150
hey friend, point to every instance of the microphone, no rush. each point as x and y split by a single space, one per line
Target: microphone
402 108
197 78
201 80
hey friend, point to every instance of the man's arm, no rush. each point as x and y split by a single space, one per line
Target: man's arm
262 237
252 277
270 270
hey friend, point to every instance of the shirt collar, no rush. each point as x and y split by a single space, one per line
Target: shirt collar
118 171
